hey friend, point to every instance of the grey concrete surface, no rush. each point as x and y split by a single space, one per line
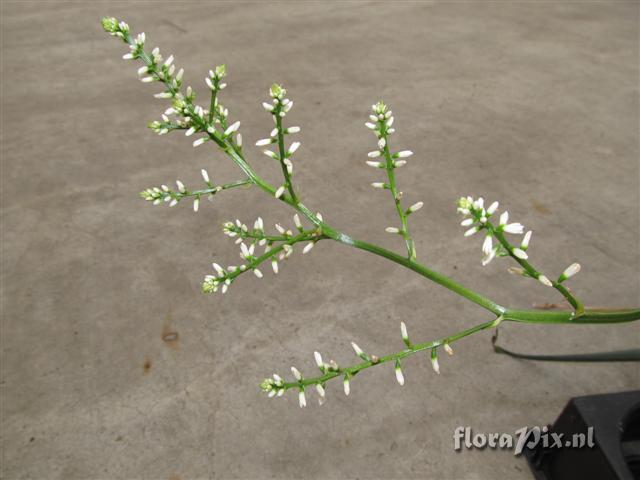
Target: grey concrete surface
531 103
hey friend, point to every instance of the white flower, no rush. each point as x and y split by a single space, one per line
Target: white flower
320 389
147 79
268 107
525 241
209 83
279 191
180 186
265 141
370 125
270 154
492 208
307 248
257 273
403 331
190 132
448 349
520 253
143 70
571 271
168 61
196 204
378 185
302 400
232 128
389 121
515 228
399 375
415 207
504 218
374 154
180 74
163 95
347 388
293 130
392 230
399 163
205 175
296 373
274 265
375 164
200 141
545 281
294 146
471 231
381 143
404 154
357 349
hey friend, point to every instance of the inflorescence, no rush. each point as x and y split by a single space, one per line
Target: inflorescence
211 123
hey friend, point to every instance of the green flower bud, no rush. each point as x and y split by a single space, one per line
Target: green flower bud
110 24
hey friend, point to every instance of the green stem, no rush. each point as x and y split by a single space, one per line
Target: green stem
404 230
532 272
283 155
526 316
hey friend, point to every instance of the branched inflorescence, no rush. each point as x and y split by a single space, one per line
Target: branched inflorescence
213 125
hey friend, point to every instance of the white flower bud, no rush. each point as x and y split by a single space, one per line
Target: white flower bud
308 247
520 253
270 154
504 218
318 359
180 186
492 208
448 349
374 154
279 191
466 222
545 281
378 185
257 273
293 130
302 400
205 175
296 373
515 228
200 141
399 375
264 141
370 126
403 331
294 146
347 387
525 241
196 204
375 164
357 349
404 154
571 271
471 231
232 128
415 207
392 230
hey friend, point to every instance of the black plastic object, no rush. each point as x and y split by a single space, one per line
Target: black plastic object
615 450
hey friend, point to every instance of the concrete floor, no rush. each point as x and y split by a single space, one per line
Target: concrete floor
531 103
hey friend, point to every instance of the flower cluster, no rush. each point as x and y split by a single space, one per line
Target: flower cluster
278 108
276 386
276 248
158 195
382 158
478 218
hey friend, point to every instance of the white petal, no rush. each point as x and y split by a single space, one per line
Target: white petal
545 281
520 253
